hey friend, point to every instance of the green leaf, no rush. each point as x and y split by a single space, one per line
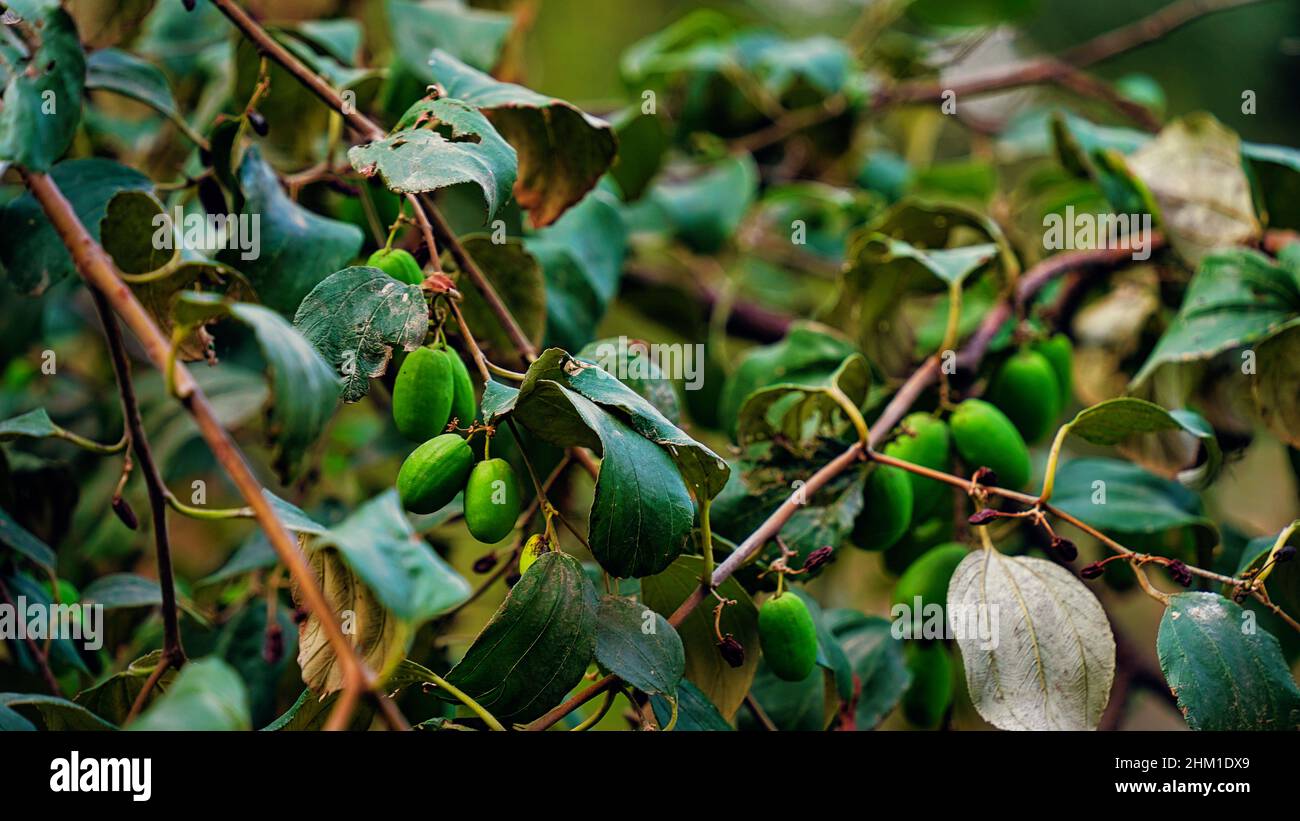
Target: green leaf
809 355
57 713
112 698
1227 673
951 265
297 248
562 151
410 580
355 317
206 695
537 646
440 143
642 512
638 645
1046 659
695 713
475 36
64 651
640 372
643 141
581 255
118 590
704 471
705 210
310 712
517 277
111 69
304 388
877 660
127 233
1273 384
800 414
722 684
1236 298
1116 421
30 249
42 99
1122 498
24 543
1194 170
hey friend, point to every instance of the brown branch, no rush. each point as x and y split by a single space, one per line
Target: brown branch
95 266
926 375
1064 69
369 131
173 652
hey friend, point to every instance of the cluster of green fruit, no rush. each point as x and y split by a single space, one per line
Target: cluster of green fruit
909 516
433 388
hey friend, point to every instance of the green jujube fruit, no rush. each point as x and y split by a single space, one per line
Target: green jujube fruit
536 547
464 407
886 509
398 264
788 636
491 500
1059 352
1025 388
924 442
985 437
928 576
928 696
434 473
422 394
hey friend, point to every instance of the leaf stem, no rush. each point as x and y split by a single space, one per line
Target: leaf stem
488 719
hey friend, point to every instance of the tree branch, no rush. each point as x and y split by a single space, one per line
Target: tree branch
95 266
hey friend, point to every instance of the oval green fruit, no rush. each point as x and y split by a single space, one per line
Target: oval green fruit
925 442
464 407
928 696
985 437
534 549
788 636
491 500
398 264
422 394
1059 352
886 509
434 473
928 576
1025 388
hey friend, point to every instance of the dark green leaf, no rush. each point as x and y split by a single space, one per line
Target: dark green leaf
475 36
111 69
1227 673
877 660
122 590
800 414
57 713
30 249
297 248
17 537
538 644
1116 420
721 683
562 151
638 645
42 100
417 158
517 277
355 317
695 713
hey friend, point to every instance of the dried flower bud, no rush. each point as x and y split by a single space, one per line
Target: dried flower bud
258 122
513 578
985 476
1065 548
1286 554
189 4
300 615
1093 571
732 650
273 647
818 557
124 512
485 563
1180 573
983 517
